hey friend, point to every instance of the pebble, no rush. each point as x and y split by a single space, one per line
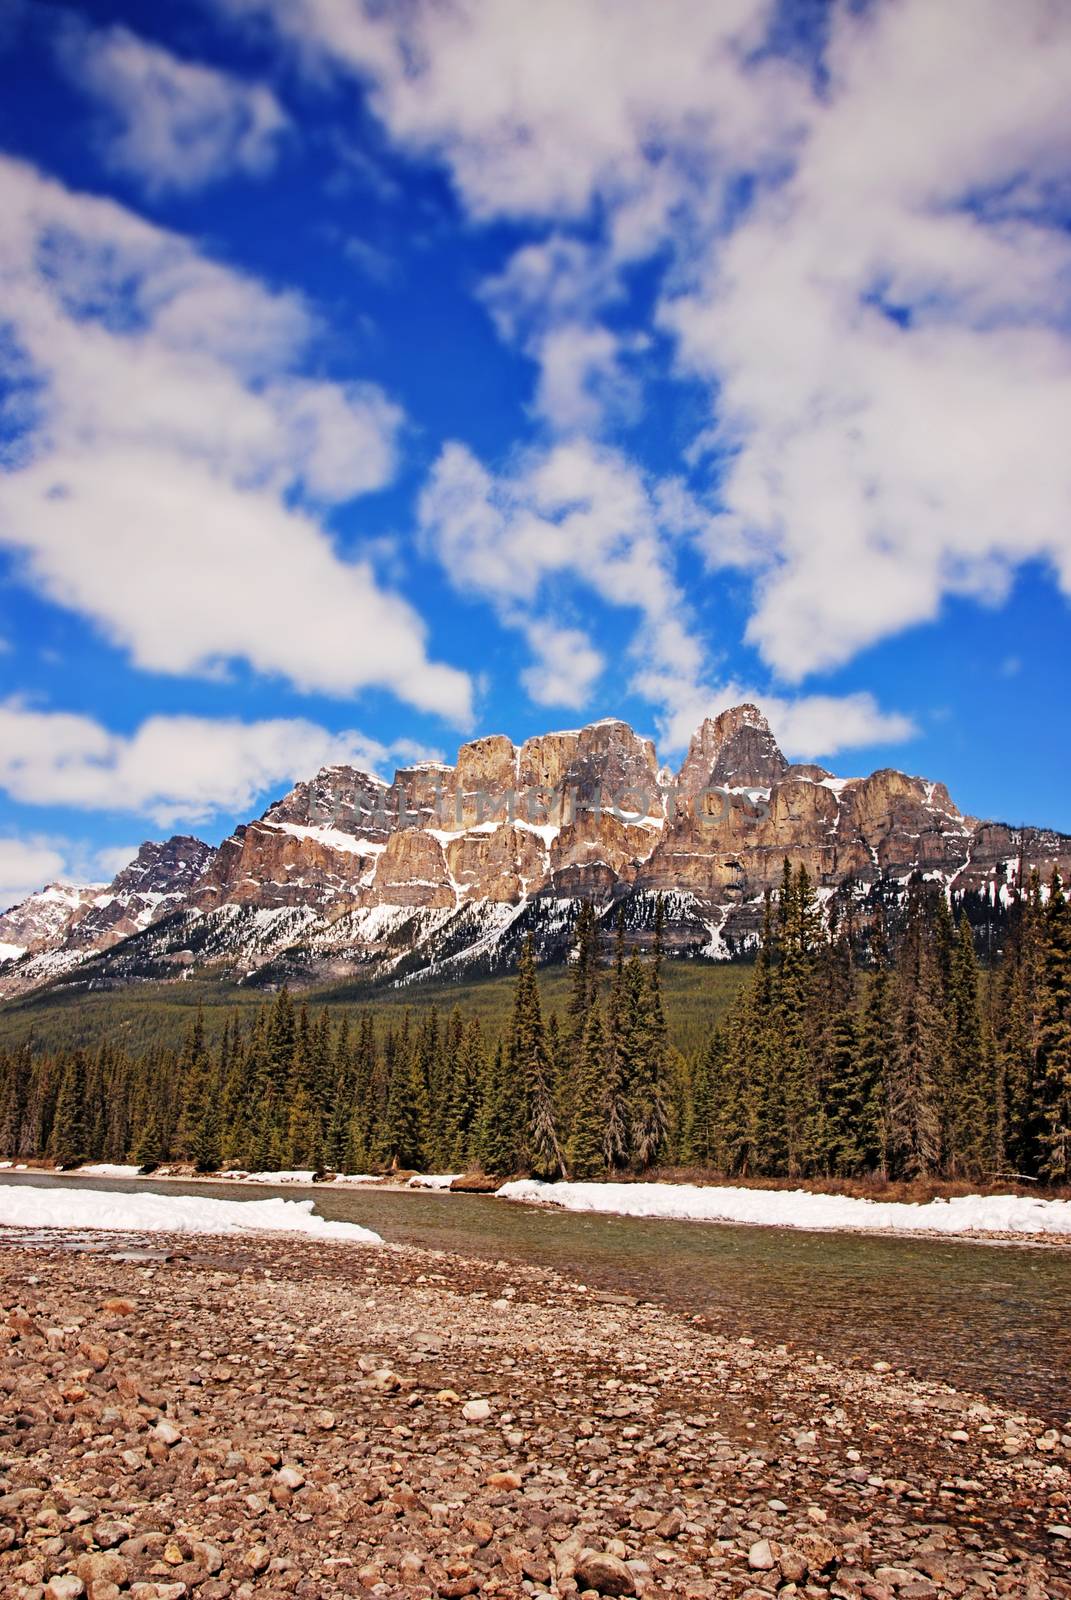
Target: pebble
275 1420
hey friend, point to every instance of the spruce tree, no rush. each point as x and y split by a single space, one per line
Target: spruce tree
586 1151
918 1068
648 1107
496 1135
971 1115
540 1148
1053 1070
1013 1018
406 1122
70 1136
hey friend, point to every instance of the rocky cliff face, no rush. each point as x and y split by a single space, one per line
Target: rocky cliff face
46 918
448 867
62 927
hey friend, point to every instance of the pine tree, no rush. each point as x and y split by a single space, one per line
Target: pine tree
406 1121
971 1116
463 1110
798 932
1014 1023
1053 1071
540 1148
70 1136
914 1129
875 1068
586 1153
496 1129
195 1080
620 1018
648 1110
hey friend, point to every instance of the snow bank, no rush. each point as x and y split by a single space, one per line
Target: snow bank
432 1180
106 1169
1001 1213
356 1177
294 1176
84 1210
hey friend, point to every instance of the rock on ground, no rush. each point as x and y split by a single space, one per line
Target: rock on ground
281 1418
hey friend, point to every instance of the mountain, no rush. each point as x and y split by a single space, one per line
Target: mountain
446 869
61 927
44 920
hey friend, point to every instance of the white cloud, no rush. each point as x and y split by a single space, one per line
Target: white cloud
25 865
585 512
536 109
168 484
546 299
566 667
894 364
881 311
110 861
806 725
172 768
173 124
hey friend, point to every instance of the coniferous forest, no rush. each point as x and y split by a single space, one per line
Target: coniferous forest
891 1052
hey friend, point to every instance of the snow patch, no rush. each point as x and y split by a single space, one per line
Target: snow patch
107 1169
1001 1213
87 1210
333 839
289 1176
432 1180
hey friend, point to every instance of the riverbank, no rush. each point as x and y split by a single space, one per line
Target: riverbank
994 1216
261 1417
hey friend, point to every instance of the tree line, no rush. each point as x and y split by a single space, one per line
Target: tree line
850 1052
918 1064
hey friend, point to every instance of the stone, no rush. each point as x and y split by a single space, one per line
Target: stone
65 1586
103 1566
504 1480
819 1552
476 1410
760 1557
605 1573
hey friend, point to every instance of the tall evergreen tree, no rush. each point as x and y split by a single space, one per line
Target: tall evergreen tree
586 1150
540 1148
1053 1070
914 1129
70 1135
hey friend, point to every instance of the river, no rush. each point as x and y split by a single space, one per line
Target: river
992 1319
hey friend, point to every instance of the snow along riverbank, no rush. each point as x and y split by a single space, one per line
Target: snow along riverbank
87 1210
780 1208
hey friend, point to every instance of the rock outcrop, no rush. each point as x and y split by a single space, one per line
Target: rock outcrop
448 867
46 918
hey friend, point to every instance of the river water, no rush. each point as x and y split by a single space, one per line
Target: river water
992 1319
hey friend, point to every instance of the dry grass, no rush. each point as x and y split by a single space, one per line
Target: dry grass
871 1187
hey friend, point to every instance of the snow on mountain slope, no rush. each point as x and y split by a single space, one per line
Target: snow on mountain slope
449 868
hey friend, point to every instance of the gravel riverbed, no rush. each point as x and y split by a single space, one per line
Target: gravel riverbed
266 1416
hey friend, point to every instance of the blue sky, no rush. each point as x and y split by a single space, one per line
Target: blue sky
372 378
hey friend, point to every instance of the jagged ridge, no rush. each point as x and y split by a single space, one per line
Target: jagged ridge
446 869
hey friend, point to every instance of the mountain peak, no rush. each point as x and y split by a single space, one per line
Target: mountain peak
735 750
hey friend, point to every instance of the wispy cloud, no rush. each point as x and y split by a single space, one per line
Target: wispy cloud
170 123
